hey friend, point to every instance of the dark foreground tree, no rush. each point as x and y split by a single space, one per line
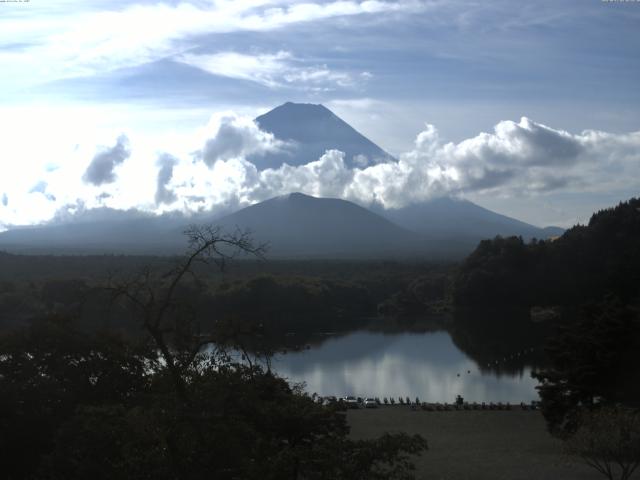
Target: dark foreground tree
78 405
608 440
594 363
49 370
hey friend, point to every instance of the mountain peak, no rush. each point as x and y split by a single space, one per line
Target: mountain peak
309 130
317 107
292 117
297 196
302 225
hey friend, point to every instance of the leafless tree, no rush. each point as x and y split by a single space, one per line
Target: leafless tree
608 440
170 322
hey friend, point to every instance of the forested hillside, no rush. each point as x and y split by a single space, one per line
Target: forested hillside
584 264
587 285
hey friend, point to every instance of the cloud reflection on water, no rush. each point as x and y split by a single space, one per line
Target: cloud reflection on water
426 365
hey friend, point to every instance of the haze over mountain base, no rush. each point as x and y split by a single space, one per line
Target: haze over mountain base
294 226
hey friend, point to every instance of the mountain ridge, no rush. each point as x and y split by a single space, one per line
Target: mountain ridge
299 225
296 225
449 216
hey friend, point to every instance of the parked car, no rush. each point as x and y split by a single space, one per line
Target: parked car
370 403
351 402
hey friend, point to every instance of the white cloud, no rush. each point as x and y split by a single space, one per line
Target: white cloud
266 69
326 177
524 158
528 158
231 136
364 104
208 169
272 70
318 77
51 44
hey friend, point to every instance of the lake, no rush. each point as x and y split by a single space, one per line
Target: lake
426 365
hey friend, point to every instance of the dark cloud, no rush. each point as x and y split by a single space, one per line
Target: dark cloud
545 146
164 194
100 170
488 178
235 138
228 143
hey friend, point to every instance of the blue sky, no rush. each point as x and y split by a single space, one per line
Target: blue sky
77 76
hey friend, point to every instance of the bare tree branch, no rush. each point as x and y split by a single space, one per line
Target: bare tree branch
153 297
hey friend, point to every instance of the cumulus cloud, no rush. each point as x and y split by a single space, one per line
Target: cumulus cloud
326 177
164 194
517 158
529 157
210 170
100 170
234 136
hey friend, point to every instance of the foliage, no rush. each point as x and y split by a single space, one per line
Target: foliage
427 294
80 404
585 263
270 298
290 304
608 440
49 369
594 361
231 421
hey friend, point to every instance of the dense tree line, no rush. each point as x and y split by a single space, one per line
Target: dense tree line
285 304
427 294
591 278
594 362
283 310
285 296
585 263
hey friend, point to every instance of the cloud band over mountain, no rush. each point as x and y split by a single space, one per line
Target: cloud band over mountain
209 170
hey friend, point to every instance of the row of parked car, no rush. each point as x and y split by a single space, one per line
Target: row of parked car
375 402
351 401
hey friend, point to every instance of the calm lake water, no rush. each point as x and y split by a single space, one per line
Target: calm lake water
427 365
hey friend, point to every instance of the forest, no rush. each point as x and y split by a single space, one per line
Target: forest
104 370
584 264
585 288
147 400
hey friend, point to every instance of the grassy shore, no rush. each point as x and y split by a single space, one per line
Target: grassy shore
476 445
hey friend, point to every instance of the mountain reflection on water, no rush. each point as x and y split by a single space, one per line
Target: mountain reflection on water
427 365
